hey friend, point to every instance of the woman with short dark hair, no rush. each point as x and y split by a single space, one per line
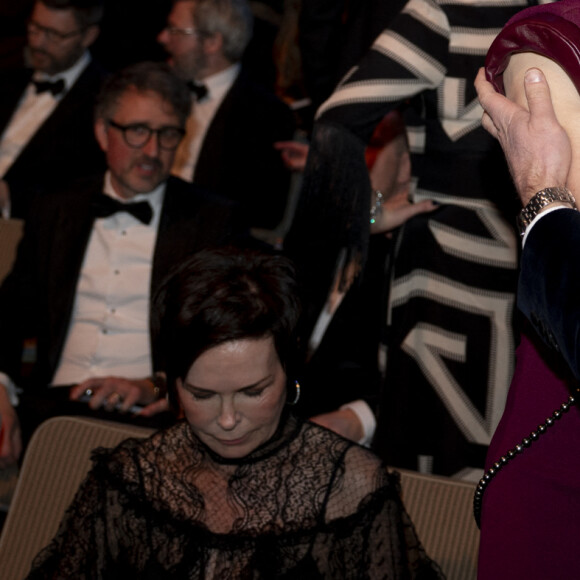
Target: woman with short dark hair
240 489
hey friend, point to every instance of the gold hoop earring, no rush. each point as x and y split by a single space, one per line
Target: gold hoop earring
297 395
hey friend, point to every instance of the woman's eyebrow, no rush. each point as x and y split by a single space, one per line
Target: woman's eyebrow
258 383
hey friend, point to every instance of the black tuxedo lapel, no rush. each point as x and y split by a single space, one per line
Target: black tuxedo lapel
73 104
224 123
63 149
238 160
181 228
191 219
73 226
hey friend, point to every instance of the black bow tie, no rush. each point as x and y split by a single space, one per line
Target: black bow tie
55 87
106 206
198 89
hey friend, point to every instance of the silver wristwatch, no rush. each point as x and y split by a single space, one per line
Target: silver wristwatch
541 200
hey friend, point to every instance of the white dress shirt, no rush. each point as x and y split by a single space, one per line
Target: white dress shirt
109 327
202 114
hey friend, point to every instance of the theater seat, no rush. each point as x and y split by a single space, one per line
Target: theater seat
56 461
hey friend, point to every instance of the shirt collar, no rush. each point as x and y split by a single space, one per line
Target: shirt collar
155 197
218 84
70 75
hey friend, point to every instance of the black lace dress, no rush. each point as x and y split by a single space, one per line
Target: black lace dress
307 504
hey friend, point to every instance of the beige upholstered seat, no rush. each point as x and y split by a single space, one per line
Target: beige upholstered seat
57 459
442 510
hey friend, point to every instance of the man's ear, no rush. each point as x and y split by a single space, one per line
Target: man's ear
90 35
213 44
101 134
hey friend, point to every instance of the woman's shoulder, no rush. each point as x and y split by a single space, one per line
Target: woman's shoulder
135 456
353 459
358 481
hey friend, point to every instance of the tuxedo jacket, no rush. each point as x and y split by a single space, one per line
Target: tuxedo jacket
36 299
64 147
237 158
549 286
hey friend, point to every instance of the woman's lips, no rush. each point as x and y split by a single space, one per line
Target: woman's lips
237 441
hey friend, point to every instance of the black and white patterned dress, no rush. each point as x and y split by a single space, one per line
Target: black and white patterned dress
449 355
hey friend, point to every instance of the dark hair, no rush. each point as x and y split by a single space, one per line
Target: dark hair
221 295
145 76
87 12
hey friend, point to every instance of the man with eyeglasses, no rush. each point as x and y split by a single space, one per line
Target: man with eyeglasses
229 145
46 136
93 257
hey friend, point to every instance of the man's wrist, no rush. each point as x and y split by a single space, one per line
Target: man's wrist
541 200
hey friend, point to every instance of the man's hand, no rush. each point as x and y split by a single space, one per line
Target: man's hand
536 146
11 440
120 394
345 422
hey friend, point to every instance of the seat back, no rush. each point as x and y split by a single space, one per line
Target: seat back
56 461
442 511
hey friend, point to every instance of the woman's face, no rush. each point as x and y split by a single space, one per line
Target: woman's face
233 395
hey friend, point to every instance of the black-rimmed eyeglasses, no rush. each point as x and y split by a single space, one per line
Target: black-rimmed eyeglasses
51 34
137 134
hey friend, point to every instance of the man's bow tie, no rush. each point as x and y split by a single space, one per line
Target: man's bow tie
198 89
55 87
106 206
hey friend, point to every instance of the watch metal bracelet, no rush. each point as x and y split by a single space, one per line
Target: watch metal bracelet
540 201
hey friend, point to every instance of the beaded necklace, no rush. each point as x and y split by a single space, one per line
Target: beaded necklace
519 448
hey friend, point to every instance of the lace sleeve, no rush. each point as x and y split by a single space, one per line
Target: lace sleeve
368 530
79 548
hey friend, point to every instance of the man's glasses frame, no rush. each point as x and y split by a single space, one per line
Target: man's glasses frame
176 31
52 35
137 135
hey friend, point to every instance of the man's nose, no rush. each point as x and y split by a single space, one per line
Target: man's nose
151 147
163 37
